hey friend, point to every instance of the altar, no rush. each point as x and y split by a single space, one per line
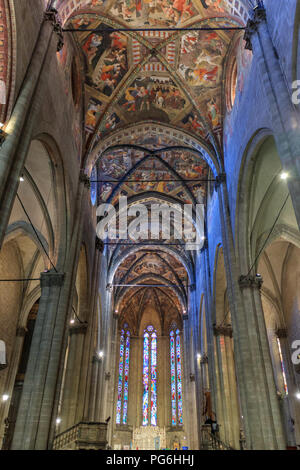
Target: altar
149 438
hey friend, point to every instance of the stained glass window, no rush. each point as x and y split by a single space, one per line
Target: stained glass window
282 367
123 382
94 186
176 378
150 377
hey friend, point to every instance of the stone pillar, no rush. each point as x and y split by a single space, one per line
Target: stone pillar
267 400
234 400
106 377
95 386
139 382
209 309
94 361
33 390
111 382
287 404
228 384
163 382
40 396
260 413
221 408
72 377
285 120
19 129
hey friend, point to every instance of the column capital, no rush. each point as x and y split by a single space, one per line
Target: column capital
220 179
258 15
79 328
83 178
52 15
281 333
99 245
223 330
51 279
254 282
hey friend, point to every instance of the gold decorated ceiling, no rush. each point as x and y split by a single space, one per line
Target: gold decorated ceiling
167 77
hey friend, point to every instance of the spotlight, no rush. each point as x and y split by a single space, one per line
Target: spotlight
100 354
5 397
72 321
298 396
58 420
284 175
199 357
22 178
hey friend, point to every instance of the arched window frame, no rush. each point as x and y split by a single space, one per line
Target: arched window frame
123 381
150 377
176 376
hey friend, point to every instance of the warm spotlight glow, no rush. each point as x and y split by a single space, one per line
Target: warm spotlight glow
100 354
22 178
5 397
284 175
298 396
199 357
58 420
72 321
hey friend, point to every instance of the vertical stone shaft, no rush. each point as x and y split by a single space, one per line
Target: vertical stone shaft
19 129
284 118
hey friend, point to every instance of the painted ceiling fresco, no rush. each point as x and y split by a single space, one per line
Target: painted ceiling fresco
152 267
172 78
132 173
166 76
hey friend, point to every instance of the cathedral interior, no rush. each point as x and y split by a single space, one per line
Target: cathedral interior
145 342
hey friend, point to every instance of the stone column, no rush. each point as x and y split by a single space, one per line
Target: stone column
221 408
234 400
104 370
72 377
267 400
94 360
40 397
139 382
19 129
228 383
209 327
284 117
33 389
111 382
288 405
255 386
163 383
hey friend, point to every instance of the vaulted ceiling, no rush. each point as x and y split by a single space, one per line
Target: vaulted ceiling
170 76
